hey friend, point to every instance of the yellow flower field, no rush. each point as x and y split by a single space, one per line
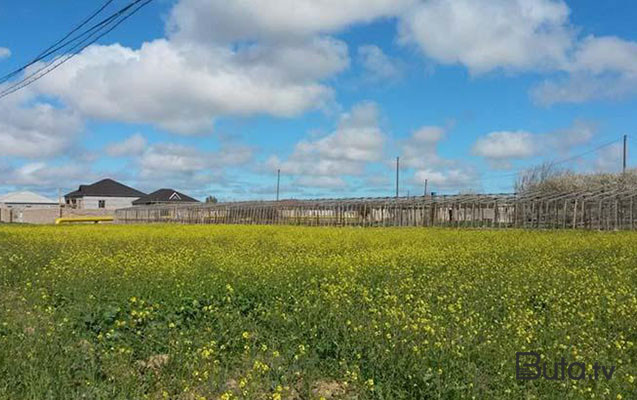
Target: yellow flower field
245 312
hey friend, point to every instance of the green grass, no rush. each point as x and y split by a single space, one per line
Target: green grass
190 312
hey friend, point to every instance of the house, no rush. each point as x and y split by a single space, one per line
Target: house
104 194
27 207
165 196
26 200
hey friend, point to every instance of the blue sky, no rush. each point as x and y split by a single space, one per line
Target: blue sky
212 99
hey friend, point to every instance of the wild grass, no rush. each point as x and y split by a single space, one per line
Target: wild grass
232 312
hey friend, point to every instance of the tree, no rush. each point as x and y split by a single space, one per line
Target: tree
211 200
536 177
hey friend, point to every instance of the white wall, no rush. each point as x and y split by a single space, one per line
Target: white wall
29 205
112 203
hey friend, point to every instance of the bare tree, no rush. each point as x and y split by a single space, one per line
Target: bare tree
538 177
547 178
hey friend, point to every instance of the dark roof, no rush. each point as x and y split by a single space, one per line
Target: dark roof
164 196
105 188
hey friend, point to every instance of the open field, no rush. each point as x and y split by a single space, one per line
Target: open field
209 312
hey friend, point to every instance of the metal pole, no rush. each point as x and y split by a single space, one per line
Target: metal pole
397 174
624 157
278 182
426 186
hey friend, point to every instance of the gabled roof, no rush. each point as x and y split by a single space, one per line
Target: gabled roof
105 188
25 198
164 196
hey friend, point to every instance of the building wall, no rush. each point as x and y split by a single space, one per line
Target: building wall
28 205
112 203
46 215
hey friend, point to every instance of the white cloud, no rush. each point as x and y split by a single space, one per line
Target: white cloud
36 131
420 150
487 35
609 159
445 179
4 53
501 147
328 182
506 145
131 146
428 134
378 65
219 59
524 35
600 68
182 88
598 55
223 21
188 168
174 158
358 140
579 133
46 176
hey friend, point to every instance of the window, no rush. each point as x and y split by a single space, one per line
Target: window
101 204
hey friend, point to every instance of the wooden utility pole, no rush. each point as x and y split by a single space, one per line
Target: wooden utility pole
278 183
624 157
60 203
397 174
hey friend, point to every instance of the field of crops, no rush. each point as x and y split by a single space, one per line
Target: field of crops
245 312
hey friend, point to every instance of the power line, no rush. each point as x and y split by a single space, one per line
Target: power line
97 29
559 162
49 50
95 33
587 152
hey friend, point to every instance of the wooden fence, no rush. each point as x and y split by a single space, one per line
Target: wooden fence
602 209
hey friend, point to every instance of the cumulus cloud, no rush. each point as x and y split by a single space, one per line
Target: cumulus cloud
174 160
377 65
579 133
131 146
501 147
357 140
46 176
4 53
486 35
601 68
220 59
504 145
420 150
447 178
609 159
36 130
524 35
223 21
183 87
186 168
328 182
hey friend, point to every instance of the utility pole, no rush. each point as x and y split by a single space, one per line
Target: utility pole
278 183
624 157
426 186
397 174
59 202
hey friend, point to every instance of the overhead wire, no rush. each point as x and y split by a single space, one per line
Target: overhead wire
94 33
54 47
558 162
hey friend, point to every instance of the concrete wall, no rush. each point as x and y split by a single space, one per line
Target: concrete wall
46 215
112 203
